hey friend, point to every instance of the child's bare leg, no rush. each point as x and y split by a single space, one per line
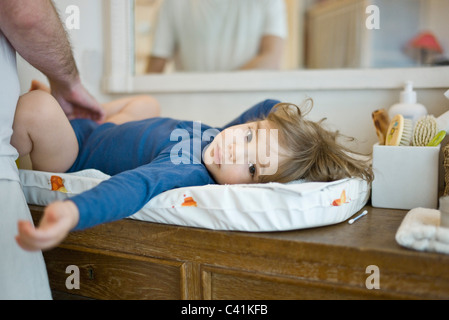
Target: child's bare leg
121 110
131 109
42 130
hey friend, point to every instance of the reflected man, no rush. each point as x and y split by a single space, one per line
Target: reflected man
217 35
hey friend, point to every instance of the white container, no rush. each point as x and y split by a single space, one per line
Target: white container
408 106
405 177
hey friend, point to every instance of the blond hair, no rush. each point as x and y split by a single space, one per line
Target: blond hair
312 152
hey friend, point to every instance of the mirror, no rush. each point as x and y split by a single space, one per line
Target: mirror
320 34
119 74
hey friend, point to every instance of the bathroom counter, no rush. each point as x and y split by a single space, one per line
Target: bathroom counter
131 259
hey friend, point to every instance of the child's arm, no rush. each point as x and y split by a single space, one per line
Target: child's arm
126 193
118 197
58 219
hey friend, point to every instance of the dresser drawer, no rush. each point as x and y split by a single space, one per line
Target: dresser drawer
110 275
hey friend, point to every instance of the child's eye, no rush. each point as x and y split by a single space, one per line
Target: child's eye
252 169
249 135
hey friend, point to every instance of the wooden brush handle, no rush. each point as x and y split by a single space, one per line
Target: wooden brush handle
381 122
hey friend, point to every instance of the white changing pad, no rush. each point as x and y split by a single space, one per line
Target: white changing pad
251 207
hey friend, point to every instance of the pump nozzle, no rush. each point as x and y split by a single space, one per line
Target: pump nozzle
408 95
408 87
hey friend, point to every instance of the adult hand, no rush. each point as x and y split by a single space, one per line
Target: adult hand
76 102
36 32
58 219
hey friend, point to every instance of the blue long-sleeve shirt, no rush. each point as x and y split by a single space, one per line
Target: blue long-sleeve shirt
144 159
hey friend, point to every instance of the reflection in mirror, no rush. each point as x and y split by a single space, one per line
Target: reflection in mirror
383 34
145 18
214 35
318 34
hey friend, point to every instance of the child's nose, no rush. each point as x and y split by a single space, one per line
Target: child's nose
237 153
231 152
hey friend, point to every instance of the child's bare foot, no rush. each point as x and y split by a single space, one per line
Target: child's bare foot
37 85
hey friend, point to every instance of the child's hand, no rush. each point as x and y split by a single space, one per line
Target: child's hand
58 219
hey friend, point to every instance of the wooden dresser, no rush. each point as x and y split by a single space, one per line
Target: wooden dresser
131 259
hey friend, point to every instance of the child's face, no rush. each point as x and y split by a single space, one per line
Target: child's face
240 154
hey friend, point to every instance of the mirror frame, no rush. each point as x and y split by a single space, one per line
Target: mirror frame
119 70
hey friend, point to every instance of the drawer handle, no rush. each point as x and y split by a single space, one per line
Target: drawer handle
91 273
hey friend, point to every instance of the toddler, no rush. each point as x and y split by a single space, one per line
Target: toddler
147 155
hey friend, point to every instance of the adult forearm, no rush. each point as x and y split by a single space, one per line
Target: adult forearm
156 65
264 62
34 29
269 56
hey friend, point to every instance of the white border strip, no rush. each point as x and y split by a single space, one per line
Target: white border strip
349 79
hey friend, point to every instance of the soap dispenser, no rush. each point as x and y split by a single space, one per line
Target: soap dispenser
408 106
